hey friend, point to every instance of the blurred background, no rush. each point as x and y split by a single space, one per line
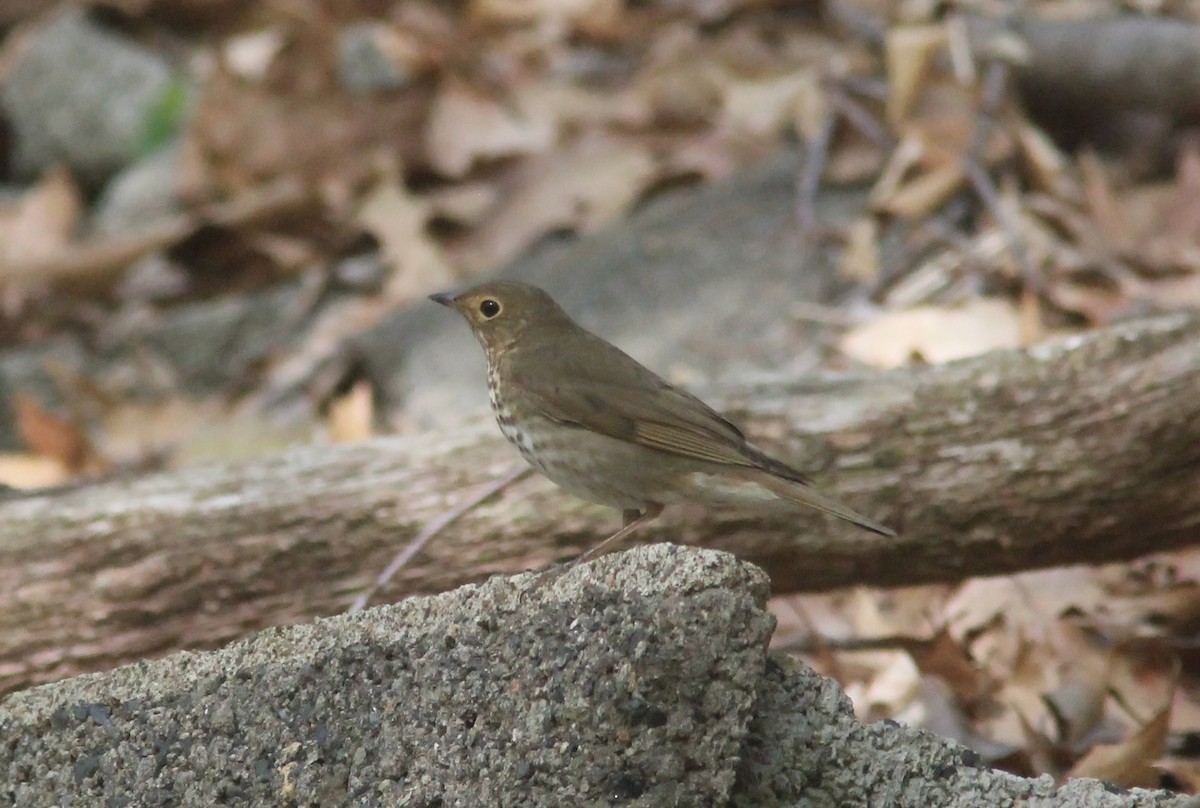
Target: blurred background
219 221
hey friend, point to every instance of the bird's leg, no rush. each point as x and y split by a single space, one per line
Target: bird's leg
633 519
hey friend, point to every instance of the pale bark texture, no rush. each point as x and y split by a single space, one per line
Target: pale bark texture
1083 450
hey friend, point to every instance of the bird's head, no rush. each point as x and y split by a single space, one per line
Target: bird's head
502 311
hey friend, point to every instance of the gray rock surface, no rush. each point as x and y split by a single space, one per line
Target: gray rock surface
633 680
805 748
140 196
641 679
82 95
364 66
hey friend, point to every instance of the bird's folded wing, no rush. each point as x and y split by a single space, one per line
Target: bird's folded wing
685 441
662 418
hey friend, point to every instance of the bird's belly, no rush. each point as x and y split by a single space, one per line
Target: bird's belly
592 466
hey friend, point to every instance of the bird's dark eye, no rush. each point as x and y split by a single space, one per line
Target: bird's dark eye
489 308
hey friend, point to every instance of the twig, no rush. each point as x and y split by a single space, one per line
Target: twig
816 155
817 643
435 527
996 81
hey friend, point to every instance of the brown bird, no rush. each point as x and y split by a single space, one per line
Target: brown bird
605 428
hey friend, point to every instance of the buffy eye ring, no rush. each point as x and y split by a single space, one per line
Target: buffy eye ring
489 308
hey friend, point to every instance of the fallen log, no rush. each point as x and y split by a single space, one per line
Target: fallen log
1079 450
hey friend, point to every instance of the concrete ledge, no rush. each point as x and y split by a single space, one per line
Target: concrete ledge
630 679
640 679
805 748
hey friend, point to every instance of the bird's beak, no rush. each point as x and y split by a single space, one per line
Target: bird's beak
445 298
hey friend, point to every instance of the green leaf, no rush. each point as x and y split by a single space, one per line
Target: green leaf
165 116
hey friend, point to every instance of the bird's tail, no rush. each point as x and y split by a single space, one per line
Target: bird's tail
806 494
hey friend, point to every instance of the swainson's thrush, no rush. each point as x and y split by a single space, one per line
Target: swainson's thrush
603 427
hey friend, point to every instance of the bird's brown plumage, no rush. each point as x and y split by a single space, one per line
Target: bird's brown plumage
550 376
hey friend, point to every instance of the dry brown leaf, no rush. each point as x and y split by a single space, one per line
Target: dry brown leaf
1131 762
934 334
1044 756
32 471
1174 610
891 690
1077 702
1185 772
854 160
1142 236
465 203
399 219
946 121
1101 299
243 132
909 51
1111 222
50 435
890 677
904 158
1172 293
1182 566
1180 218
945 657
1018 638
1030 599
682 85
351 415
859 258
925 193
580 188
42 222
1032 328
467 125
557 18
764 108
1039 667
251 55
140 428
943 127
190 431
943 715
819 615
287 254
1046 165
811 108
